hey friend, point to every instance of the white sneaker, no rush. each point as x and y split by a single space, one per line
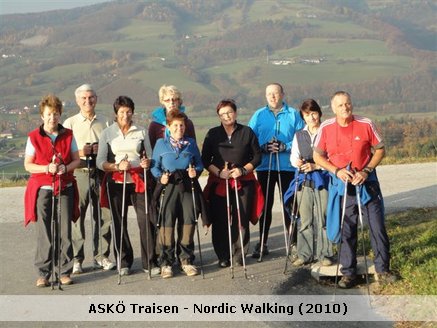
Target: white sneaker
190 270
77 267
155 271
124 272
166 272
105 263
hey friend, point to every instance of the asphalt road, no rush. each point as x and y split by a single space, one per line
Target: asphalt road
404 186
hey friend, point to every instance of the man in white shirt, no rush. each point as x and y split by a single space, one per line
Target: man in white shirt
87 127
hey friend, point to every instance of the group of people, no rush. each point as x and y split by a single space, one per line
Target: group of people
89 163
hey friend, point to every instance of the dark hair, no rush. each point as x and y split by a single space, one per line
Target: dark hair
176 115
123 101
225 103
310 105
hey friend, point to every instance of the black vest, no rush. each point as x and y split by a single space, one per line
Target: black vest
304 144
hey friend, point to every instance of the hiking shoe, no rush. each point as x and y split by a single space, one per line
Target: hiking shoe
166 272
105 264
326 262
155 271
257 252
298 263
190 270
124 272
224 263
386 277
65 280
77 267
42 282
347 282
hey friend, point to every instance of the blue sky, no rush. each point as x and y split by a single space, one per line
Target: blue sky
28 6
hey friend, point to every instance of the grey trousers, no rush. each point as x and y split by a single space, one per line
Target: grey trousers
312 242
102 238
43 255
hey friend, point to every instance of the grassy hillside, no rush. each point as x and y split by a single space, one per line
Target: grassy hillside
170 44
212 50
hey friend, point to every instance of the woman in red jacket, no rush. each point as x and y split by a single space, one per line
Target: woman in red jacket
51 157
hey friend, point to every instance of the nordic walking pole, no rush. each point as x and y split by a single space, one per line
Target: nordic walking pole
228 209
53 224
146 211
123 207
99 211
112 222
293 217
281 200
341 234
360 216
265 209
90 200
240 227
58 229
197 224
159 221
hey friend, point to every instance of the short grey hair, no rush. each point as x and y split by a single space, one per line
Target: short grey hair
169 90
84 87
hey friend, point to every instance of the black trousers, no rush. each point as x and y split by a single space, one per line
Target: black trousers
147 240
219 214
43 254
177 215
286 178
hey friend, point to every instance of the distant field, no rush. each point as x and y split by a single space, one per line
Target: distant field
16 167
140 29
157 75
147 58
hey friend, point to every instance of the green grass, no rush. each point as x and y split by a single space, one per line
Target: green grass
140 29
348 61
340 48
12 168
413 252
158 75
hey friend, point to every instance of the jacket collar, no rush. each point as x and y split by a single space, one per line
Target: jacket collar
61 130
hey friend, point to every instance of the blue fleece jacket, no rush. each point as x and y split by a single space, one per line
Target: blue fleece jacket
333 211
167 158
320 178
281 127
159 116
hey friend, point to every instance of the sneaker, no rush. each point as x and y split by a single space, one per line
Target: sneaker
224 263
190 270
42 282
347 282
257 252
386 277
166 272
77 267
105 264
326 262
66 280
298 263
155 271
124 272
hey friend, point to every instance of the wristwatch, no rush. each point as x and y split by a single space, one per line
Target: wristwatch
368 169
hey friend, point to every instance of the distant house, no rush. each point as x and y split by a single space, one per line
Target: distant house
7 134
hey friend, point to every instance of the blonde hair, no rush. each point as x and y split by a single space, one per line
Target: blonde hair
169 90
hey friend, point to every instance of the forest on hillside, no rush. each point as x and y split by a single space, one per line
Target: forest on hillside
381 51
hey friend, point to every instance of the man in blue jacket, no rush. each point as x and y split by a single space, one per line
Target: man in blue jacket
275 125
